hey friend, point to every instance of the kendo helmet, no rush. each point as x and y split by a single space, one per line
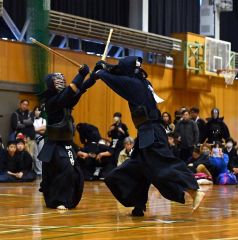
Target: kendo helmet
215 113
88 132
130 66
55 81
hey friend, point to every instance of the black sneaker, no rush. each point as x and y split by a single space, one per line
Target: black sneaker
137 212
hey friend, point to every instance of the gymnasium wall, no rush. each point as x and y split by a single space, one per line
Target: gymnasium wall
99 103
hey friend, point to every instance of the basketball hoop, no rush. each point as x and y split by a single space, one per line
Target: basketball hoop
228 74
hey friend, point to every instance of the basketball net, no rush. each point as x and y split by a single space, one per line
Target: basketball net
229 75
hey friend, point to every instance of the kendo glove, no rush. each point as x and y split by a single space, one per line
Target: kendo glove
78 80
84 70
100 65
90 81
94 75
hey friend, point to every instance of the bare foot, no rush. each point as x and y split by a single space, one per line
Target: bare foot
62 207
197 200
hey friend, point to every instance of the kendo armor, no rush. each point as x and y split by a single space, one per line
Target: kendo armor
63 130
141 115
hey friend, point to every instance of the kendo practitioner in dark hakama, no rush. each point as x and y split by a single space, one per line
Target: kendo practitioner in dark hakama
152 162
95 157
62 179
216 128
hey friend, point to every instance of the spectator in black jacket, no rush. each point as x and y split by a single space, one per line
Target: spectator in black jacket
194 112
118 132
188 133
22 122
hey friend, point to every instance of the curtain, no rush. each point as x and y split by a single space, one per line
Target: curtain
228 26
174 16
110 11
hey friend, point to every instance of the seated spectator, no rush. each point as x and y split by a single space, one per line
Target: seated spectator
19 164
217 149
8 159
167 122
95 160
217 160
22 137
199 163
173 144
88 133
96 156
221 161
126 152
232 153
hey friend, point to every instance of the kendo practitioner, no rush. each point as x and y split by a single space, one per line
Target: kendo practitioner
62 179
216 129
151 162
95 156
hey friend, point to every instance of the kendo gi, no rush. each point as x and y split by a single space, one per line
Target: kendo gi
152 161
93 144
62 179
216 128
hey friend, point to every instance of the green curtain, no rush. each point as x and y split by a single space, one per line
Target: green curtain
38 12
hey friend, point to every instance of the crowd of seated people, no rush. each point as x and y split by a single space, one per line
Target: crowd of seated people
204 145
190 138
97 156
18 161
32 126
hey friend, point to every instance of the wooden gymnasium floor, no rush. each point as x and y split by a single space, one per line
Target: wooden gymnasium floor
99 216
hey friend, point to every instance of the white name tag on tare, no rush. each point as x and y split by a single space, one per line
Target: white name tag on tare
156 97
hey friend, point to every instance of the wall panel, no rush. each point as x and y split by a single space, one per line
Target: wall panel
99 103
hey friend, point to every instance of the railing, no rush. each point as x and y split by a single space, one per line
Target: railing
1 7
122 36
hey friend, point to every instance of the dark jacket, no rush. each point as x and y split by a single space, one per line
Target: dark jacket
20 162
188 130
233 158
202 130
23 122
3 160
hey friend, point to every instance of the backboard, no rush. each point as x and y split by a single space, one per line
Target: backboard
218 54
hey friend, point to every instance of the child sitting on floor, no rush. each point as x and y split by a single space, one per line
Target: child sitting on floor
18 163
